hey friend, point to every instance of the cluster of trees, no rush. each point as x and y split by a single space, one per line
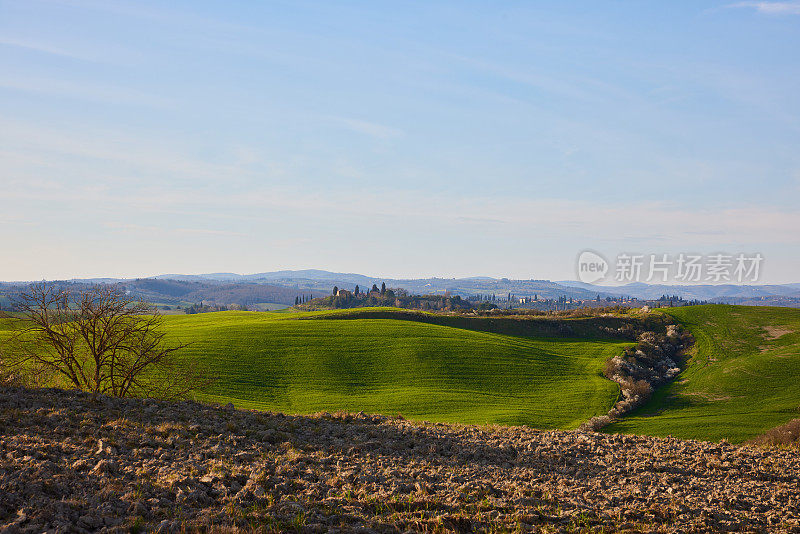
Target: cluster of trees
302 299
664 301
440 303
206 307
383 296
358 292
676 300
342 298
616 299
510 297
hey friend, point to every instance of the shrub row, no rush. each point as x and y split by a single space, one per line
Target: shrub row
652 362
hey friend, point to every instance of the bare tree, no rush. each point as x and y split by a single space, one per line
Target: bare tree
101 341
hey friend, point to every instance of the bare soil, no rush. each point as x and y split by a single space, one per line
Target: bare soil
71 463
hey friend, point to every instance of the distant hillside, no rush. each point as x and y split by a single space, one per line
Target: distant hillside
718 293
303 275
283 286
321 280
324 281
243 294
178 292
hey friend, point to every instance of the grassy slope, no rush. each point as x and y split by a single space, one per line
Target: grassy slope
423 371
7 327
743 376
741 380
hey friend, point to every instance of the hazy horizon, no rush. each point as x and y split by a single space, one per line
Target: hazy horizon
607 283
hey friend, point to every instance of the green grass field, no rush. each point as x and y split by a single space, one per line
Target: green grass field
275 361
743 376
741 379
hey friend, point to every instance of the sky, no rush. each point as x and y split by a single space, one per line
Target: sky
397 139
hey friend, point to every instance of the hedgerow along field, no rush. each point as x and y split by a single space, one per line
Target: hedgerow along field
331 361
741 379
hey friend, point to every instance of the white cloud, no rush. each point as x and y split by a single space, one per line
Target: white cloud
772 8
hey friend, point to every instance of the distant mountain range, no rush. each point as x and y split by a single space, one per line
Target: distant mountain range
324 281
303 274
691 292
283 286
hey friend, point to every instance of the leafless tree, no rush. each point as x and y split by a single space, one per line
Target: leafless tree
99 340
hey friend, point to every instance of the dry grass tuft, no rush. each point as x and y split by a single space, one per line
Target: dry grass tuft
782 436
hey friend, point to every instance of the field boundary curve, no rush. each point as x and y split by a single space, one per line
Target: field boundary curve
609 327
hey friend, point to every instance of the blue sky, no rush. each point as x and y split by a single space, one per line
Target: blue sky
394 138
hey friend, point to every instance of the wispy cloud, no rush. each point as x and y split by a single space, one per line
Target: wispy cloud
150 229
46 48
772 8
26 143
371 129
129 227
556 217
196 187
208 232
8 219
84 91
163 14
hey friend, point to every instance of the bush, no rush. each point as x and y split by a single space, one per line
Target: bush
595 424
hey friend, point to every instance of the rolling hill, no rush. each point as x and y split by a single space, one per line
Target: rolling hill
742 377
740 380
424 371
